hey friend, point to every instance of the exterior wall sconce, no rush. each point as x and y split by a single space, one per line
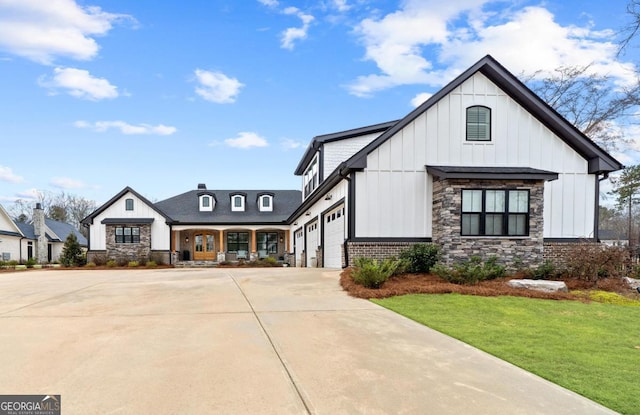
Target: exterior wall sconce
295 223
186 239
328 197
308 213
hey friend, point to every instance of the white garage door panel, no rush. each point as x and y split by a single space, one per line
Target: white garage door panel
333 238
312 242
299 246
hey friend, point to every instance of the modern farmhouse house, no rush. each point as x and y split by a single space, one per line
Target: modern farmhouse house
482 167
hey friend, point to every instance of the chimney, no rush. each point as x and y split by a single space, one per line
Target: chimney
41 234
202 186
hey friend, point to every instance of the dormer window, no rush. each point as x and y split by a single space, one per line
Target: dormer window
311 177
237 203
128 204
265 203
206 202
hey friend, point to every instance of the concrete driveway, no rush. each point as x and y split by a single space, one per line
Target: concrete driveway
243 341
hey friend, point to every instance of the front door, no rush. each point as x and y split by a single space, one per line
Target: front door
203 249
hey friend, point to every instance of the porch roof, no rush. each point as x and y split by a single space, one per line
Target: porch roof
491 173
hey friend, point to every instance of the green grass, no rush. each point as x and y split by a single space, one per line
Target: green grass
592 349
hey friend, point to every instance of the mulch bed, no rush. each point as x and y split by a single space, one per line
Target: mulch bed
432 284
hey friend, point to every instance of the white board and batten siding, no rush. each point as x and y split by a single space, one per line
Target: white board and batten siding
393 194
160 235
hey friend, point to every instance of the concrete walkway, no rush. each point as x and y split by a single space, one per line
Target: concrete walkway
243 341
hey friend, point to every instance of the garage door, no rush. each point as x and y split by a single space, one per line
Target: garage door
312 243
333 237
299 246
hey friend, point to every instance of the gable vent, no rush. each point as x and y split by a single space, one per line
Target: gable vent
202 186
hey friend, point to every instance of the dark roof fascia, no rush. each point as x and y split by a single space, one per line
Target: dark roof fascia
239 224
89 219
319 140
599 160
126 221
232 194
9 233
334 178
491 173
259 194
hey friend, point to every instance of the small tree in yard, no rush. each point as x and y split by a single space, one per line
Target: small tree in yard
71 252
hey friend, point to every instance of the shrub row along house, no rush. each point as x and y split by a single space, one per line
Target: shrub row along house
482 167
41 239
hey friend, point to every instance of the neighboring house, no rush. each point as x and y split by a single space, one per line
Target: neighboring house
199 225
42 239
611 237
483 167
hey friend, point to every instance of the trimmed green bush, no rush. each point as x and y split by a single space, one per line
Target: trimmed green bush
545 271
421 257
151 264
91 265
111 263
472 271
372 273
133 264
31 262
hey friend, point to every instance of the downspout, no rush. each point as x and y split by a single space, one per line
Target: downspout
20 243
596 216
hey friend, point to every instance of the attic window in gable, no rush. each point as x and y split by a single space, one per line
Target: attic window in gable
237 203
478 123
265 203
311 177
128 204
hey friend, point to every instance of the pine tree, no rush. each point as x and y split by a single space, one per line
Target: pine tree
71 252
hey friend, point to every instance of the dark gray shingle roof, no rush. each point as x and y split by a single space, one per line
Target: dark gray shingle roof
184 207
61 229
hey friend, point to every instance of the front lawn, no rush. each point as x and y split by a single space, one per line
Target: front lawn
590 348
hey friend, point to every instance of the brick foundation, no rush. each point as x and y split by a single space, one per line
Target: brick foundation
376 250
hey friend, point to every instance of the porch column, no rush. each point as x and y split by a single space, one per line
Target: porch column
172 248
221 240
287 240
254 244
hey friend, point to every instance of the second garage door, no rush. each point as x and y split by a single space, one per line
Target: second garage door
333 237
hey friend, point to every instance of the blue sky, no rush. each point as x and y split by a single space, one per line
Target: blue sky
161 95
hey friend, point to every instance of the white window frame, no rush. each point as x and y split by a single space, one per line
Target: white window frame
235 208
261 206
204 208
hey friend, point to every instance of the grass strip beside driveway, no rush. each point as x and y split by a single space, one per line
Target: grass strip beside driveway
592 349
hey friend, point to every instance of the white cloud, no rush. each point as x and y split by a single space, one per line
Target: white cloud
341 5
126 128
30 194
43 30
269 3
420 98
66 183
7 175
217 87
289 144
80 84
292 34
246 140
429 42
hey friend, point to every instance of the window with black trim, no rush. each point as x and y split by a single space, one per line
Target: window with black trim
237 241
491 212
311 177
478 123
127 235
268 242
128 204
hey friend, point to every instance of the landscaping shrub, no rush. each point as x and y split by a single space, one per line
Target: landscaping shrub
372 273
31 262
472 271
591 262
157 258
133 264
111 263
99 259
545 271
91 264
421 257
151 264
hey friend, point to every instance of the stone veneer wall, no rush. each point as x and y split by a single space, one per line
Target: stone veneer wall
129 251
447 208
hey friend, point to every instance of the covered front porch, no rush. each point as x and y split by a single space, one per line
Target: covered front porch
204 244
